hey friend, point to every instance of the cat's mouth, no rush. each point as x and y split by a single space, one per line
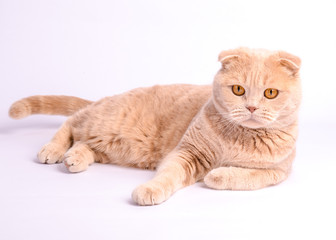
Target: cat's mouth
258 121
252 123
255 121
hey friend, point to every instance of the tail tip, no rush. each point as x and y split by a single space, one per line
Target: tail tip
18 110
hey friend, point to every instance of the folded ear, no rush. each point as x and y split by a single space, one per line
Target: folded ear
291 62
227 57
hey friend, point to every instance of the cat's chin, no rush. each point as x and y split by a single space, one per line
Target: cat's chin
252 123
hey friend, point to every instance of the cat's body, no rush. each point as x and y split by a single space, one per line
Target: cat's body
234 134
140 127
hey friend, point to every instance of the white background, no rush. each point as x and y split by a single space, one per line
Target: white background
93 49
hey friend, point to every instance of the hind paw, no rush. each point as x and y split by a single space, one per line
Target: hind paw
51 153
78 158
75 163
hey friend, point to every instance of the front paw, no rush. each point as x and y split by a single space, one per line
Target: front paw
149 194
215 179
225 178
232 178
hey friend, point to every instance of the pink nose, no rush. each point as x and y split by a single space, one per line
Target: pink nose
251 109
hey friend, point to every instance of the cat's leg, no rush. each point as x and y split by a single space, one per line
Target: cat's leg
79 157
235 178
54 151
178 170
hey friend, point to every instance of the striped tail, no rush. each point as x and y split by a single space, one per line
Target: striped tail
53 105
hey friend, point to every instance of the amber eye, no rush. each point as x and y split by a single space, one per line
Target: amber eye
238 90
271 93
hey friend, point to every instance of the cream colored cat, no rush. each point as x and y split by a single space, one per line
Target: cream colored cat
237 134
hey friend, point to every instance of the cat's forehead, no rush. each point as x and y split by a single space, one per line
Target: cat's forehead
259 68
259 53
261 72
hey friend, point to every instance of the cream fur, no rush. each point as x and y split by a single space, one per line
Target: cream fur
187 132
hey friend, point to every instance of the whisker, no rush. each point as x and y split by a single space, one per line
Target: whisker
269 115
237 110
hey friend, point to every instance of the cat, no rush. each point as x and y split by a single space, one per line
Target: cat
238 133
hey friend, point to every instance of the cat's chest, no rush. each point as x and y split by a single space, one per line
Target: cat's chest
256 150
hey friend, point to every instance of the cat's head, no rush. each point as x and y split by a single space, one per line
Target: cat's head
258 88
